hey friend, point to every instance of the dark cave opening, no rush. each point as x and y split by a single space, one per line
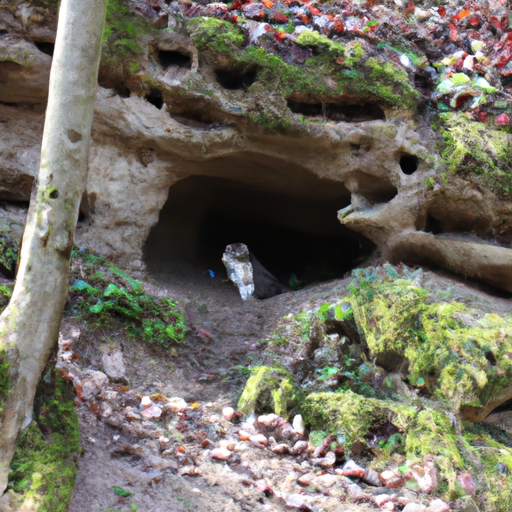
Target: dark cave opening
155 98
236 79
293 231
46 48
174 58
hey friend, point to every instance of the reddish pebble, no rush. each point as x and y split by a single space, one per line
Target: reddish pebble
244 436
381 499
503 119
306 479
220 454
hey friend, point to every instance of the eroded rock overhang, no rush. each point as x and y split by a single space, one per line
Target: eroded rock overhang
186 107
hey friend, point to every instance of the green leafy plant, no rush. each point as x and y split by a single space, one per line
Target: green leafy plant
156 319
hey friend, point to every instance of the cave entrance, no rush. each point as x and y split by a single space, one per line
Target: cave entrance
286 216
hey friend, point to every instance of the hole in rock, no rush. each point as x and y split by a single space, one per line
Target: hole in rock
155 98
409 164
374 189
349 113
123 91
45 47
235 79
286 216
432 225
174 58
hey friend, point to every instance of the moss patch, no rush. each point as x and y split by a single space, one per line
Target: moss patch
268 389
425 431
478 152
43 469
457 353
123 37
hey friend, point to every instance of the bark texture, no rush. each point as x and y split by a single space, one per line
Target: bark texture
29 326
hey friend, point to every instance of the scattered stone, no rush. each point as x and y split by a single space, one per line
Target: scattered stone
325 462
381 499
438 505
228 413
297 501
176 404
93 383
298 424
114 364
152 412
299 447
281 449
414 507
220 453
228 444
259 440
189 471
306 480
146 402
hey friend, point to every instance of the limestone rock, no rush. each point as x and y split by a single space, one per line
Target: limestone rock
114 364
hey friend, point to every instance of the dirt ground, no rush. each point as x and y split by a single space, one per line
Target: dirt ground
208 372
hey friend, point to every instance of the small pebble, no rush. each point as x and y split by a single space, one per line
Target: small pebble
414 507
381 499
306 479
145 402
228 413
438 505
299 447
220 454
259 440
298 424
228 444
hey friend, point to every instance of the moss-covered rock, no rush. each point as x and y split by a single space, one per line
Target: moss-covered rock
425 432
43 469
269 389
457 353
478 152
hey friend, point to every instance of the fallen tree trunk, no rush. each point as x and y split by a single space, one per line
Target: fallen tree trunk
30 324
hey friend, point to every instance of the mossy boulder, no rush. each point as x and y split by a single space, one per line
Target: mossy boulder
269 389
478 152
458 354
425 432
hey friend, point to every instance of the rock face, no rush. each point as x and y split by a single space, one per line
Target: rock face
208 97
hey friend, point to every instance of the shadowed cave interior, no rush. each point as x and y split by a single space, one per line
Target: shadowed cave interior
290 225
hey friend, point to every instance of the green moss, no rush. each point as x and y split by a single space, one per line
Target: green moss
215 35
268 389
123 35
4 378
477 152
43 469
457 353
337 72
425 431
316 40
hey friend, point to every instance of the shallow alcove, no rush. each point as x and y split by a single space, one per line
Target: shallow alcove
235 79
290 225
174 58
347 112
